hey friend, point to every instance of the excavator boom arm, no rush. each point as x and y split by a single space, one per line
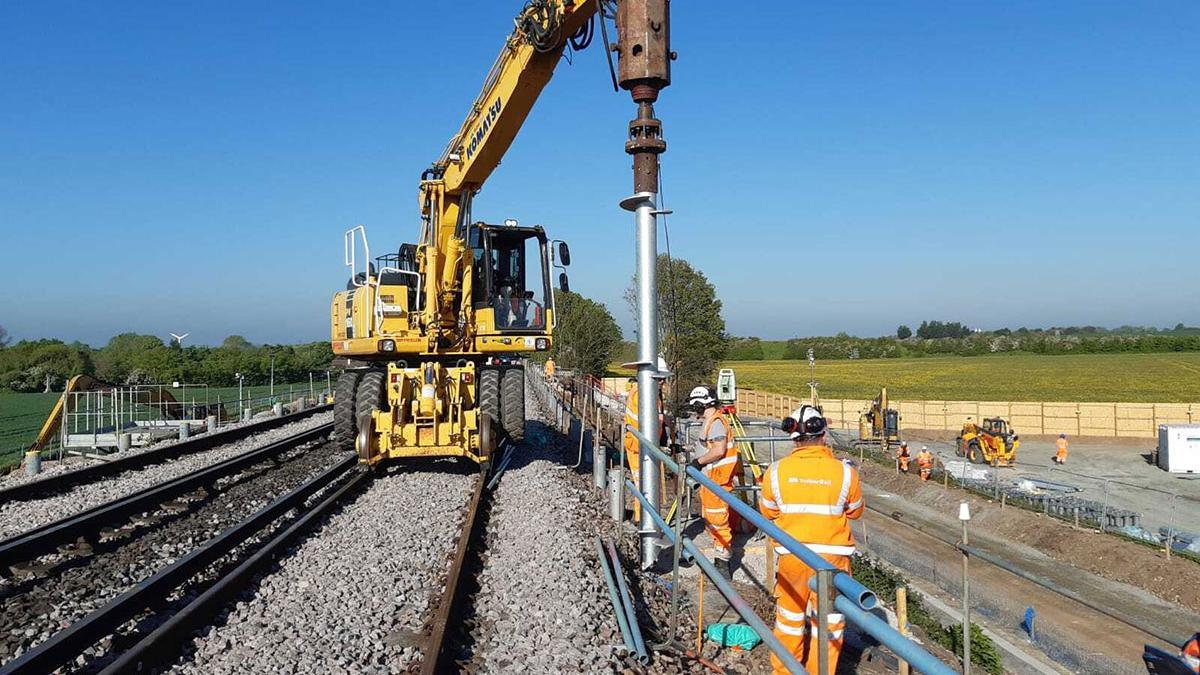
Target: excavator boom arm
524 66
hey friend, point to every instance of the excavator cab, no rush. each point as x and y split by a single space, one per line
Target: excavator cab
510 285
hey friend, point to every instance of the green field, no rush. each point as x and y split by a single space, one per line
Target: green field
22 415
1135 378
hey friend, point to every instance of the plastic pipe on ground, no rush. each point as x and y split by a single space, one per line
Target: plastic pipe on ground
627 602
612 595
842 581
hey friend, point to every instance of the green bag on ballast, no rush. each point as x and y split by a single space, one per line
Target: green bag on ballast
735 635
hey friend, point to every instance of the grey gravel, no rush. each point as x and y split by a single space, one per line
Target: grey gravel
542 605
42 606
352 597
22 516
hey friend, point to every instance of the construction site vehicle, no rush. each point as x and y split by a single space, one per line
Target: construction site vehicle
879 425
992 442
431 336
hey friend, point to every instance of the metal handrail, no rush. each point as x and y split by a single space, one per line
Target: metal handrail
854 599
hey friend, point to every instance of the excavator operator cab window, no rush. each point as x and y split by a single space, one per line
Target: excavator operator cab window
511 276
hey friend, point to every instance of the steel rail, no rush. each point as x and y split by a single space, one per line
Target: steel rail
63 647
437 658
47 538
59 482
165 640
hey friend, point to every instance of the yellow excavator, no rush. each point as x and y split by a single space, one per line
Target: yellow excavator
879 425
431 337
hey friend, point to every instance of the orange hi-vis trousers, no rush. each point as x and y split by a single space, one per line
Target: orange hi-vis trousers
796 615
719 519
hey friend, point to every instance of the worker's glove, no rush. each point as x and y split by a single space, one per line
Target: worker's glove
695 464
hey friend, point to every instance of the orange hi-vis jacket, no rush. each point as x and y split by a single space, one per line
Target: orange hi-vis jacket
925 459
813 496
723 470
631 418
1062 447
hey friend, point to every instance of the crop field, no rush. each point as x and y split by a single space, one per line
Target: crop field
1134 378
22 415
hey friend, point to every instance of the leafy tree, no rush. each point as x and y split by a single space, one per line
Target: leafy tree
586 335
903 332
4 337
236 342
42 365
691 329
745 349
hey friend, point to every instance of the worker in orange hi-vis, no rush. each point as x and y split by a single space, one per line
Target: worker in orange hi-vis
812 496
925 462
717 456
903 456
1060 454
549 368
1191 653
630 441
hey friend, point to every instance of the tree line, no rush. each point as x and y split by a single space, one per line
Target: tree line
958 340
130 358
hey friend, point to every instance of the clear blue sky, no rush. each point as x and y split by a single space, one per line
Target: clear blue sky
833 166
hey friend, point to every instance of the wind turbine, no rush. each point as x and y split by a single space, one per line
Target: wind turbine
179 338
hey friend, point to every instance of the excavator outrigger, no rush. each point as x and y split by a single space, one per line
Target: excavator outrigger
431 336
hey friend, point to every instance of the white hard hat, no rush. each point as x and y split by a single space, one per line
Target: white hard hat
702 397
924 447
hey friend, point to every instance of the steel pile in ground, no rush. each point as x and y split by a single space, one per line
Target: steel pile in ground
88 524
63 647
87 474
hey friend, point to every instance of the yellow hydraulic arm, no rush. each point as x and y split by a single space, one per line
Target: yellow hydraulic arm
54 421
523 68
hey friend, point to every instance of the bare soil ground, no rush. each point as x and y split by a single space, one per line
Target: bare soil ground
1176 581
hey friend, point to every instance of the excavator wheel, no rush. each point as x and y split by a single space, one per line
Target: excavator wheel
512 403
959 448
370 395
345 421
489 394
974 453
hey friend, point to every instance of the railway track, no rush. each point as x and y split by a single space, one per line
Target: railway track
58 482
81 581
291 557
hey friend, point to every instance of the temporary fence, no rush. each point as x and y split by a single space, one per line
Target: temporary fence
1112 420
98 415
835 590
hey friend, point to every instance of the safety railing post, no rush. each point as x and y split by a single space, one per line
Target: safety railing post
598 459
1104 509
964 515
824 609
1171 526
902 621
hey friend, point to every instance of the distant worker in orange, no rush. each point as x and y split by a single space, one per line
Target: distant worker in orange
718 458
1060 455
632 448
812 496
550 368
903 457
925 462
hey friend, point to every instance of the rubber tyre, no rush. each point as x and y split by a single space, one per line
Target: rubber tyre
488 394
345 421
974 453
512 403
958 448
370 396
